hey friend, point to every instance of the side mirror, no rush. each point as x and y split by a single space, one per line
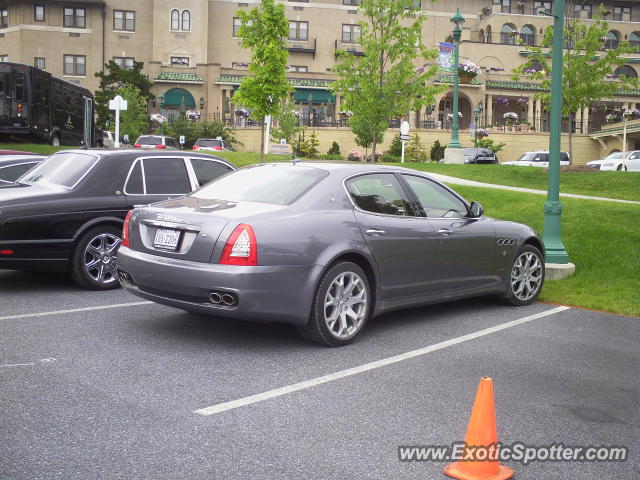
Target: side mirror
475 210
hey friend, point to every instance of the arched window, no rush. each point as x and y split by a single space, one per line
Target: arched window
175 19
612 40
528 35
489 40
186 20
481 35
508 34
634 41
627 71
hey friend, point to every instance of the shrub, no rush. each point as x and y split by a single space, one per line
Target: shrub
396 146
329 157
437 151
193 130
335 149
306 146
489 143
355 155
415 151
387 157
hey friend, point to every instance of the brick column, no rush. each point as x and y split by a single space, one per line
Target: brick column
530 111
578 121
585 120
538 114
489 110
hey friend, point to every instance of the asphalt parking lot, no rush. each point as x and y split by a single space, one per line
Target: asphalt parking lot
119 392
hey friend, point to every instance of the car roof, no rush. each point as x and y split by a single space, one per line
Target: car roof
135 153
346 168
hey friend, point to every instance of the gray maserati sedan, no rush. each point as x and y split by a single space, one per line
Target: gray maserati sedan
324 246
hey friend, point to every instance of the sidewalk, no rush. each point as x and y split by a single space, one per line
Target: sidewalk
472 183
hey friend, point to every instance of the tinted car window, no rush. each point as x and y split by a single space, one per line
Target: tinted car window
166 176
208 143
379 193
207 170
11 173
170 142
149 140
63 169
134 184
436 200
564 157
281 185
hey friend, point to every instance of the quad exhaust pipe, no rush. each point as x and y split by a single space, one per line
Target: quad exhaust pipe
223 298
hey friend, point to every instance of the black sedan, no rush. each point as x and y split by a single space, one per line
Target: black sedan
66 214
13 166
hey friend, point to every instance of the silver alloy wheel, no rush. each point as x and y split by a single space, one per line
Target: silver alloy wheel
526 276
345 305
100 258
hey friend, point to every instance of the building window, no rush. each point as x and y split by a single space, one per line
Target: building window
186 20
124 20
180 61
4 18
618 13
237 23
350 33
4 58
505 5
612 40
240 65
508 34
580 7
175 19
351 2
528 35
537 6
38 62
634 41
75 65
298 30
627 71
38 13
74 18
298 68
126 63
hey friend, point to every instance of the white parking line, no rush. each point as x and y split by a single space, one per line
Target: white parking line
73 310
241 402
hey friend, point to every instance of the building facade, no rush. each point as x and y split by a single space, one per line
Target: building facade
193 55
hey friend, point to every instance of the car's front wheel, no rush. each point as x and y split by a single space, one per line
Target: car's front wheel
527 276
341 306
93 264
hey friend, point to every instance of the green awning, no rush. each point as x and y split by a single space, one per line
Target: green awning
302 95
173 98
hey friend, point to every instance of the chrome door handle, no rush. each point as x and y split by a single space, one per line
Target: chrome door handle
375 231
445 231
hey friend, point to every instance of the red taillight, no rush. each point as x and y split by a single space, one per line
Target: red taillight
196 147
217 149
137 145
241 248
161 146
6 252
19 108
125 230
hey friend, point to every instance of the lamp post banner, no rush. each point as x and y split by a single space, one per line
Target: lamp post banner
445 52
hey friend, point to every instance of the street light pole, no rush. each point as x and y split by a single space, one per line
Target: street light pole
161 114
476 119
554 248
453 152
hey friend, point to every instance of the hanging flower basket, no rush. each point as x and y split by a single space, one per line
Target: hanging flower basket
510 117
450 115
482 133
157 118
467 71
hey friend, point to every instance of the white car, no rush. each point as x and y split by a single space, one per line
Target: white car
614 161
539 158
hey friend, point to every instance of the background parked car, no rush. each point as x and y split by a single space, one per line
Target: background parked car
156 141
66 214
213 145
479 155
107 139
14 166
614 161
324 246
538 158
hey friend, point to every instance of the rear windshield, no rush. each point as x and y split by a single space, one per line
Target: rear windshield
468 152
265 184
208 143
150 140
63 169
528 157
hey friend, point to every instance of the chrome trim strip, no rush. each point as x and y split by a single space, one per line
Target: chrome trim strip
173 225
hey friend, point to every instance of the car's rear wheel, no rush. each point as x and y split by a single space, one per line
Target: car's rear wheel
93 264
341 306
527 277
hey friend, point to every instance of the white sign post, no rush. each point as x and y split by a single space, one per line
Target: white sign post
117 104
267 133
404 134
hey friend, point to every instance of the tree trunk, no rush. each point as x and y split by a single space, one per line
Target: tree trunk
262 140
373 152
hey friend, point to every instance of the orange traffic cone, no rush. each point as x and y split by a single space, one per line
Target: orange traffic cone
481 432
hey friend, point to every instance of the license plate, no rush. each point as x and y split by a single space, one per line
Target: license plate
166 238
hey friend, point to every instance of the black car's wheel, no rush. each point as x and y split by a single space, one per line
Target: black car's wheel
341 306
93 264
527 276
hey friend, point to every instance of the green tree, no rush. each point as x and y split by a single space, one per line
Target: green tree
114 78
384 82
491 145
437 151
415 151
395 148
134 121
288 127
264 30
586 65
335 149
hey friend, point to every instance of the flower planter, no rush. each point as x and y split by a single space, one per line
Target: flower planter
465 78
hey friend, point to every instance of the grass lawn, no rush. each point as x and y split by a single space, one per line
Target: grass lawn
602 239
32 147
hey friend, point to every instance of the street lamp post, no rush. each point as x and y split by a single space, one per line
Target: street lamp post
557 258
161 98
476 120
454 152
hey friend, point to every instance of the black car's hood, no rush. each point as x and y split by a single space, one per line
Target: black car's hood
20 193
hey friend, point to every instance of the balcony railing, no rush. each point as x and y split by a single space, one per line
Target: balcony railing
302 46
